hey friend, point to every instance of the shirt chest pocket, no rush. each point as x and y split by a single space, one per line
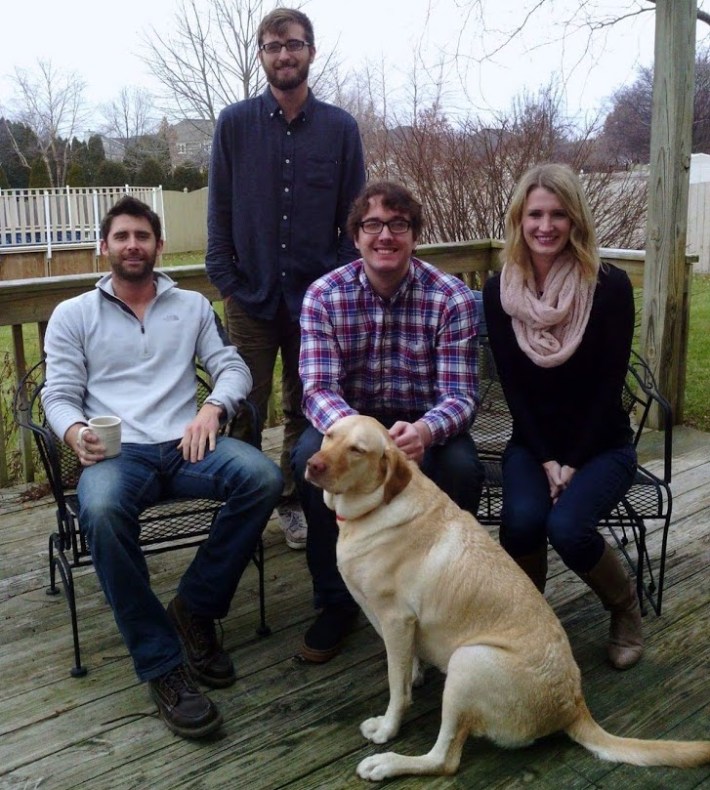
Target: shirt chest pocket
321 172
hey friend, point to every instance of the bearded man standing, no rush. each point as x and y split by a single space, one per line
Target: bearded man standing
284 169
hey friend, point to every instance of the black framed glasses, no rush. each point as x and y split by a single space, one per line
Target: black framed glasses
396 226
292 45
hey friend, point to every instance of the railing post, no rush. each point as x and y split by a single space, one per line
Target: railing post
48 230
4 478
28 470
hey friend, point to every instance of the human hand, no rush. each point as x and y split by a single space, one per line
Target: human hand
201 434
566 475
85 443
554 478
411 438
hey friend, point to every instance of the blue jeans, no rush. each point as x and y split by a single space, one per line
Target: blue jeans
259 341
453 466
113 493
529 518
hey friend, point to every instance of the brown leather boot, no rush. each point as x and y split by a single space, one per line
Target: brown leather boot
611 582
535 566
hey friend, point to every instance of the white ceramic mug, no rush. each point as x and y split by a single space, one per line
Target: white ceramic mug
108 429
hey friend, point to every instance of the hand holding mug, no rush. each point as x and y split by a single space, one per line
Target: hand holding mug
98 440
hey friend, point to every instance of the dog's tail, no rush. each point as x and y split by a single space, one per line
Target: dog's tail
681 754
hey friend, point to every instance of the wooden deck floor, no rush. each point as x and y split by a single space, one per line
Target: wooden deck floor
288 725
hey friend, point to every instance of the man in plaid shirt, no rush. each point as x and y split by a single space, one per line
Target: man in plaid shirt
394 338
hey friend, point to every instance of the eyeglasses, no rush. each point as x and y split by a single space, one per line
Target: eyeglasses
292 45
396 226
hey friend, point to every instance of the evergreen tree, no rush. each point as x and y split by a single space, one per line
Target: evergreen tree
111 174
17 166
150 174
39 177
76 176
95 158
187 177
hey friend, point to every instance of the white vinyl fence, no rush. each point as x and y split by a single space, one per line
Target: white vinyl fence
698 241
70 217
63 217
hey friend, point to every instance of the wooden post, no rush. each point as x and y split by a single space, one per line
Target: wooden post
664 331
28 470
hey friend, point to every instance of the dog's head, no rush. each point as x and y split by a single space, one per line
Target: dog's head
358 457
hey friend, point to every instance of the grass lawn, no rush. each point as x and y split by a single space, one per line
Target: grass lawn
697 386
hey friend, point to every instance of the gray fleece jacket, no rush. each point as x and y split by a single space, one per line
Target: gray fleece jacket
102 360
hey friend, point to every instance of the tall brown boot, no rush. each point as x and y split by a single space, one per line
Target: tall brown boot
616 590
535 566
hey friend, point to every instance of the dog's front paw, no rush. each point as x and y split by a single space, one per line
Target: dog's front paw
375 768
378 729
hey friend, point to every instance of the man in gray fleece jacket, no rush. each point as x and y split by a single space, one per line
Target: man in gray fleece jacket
128 348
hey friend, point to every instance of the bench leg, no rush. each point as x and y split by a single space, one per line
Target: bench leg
263 629
58 560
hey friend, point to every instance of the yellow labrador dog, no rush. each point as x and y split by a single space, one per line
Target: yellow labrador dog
440 590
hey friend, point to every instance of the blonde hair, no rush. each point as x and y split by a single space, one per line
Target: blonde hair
563 182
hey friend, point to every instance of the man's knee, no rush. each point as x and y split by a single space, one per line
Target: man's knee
107 520
248 465
458 471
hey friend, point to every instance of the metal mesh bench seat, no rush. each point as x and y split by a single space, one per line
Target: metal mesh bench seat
166 526
648 503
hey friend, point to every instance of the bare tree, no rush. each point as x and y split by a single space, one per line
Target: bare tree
627 129
464 171
211 59
131 125
483 37
130 115
51 103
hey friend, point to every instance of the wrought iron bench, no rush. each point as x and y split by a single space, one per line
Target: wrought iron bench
648 503
169 525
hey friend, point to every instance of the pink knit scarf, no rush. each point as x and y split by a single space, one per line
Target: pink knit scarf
550 327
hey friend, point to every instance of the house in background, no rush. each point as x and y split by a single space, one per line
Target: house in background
114 148
191 142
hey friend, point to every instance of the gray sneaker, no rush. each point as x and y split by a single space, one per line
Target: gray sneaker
293 523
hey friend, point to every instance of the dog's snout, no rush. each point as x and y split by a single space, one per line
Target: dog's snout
315 465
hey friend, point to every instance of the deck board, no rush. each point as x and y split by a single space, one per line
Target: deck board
289 725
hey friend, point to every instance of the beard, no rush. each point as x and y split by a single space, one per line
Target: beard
135 274
287 82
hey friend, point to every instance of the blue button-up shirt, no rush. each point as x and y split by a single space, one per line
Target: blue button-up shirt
279 196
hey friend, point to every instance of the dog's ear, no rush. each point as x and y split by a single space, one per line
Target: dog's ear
397 475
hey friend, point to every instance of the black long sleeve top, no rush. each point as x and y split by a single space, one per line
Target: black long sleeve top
571 412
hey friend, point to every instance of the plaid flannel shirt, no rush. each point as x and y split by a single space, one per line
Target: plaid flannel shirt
413 354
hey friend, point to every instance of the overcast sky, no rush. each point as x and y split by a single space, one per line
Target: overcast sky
102 43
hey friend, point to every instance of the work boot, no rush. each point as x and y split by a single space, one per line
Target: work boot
183 707
535 566
207 659
616 590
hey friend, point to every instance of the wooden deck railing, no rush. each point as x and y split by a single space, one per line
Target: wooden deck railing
26 304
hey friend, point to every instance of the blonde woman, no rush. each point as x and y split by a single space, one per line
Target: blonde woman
560 327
